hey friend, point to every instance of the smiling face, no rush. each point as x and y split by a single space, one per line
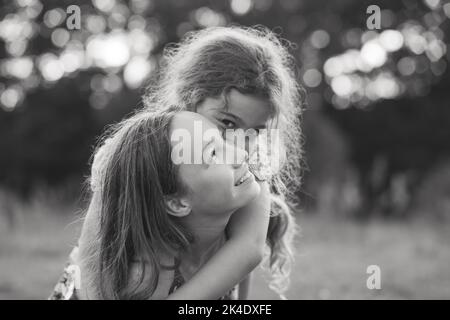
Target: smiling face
211 187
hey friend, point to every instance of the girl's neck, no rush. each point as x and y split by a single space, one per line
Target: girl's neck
199 253
208 231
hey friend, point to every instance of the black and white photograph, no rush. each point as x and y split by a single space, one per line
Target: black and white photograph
225 150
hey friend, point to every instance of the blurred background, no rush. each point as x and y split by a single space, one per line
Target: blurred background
377 132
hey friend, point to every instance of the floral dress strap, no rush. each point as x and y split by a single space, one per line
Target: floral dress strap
69 281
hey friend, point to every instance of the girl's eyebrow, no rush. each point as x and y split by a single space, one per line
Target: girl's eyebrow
262 126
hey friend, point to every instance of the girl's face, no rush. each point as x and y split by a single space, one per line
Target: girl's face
212 188
242 112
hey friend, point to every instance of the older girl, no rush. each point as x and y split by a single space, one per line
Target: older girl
243 78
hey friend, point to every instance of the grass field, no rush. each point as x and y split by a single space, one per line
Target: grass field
332 257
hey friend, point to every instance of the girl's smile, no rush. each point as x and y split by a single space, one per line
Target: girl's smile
244 178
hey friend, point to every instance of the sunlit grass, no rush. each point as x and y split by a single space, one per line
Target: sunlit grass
34 252
332 256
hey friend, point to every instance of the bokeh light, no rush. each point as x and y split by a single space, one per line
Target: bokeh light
54 17
60 37
206 17
51 67
95 23
104 5
342 85
373 54
241 7
391 40
320 39
11 97
312 78
136 71
123 39
108 50
406 66
18 67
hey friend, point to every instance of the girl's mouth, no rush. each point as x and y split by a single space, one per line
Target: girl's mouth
244 178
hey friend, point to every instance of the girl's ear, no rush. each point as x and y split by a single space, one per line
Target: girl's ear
178 207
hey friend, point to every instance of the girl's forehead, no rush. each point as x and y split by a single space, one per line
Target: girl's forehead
191 121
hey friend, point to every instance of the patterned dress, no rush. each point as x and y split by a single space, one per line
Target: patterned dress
178 281
69 281
66 288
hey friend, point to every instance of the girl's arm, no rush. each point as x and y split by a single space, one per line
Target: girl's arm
244 287
247 232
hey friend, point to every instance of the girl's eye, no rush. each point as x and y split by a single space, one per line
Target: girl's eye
228 124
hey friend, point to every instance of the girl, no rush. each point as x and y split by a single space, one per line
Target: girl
243 78
155 214
237 78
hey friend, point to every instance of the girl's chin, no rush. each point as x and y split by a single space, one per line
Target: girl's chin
248 193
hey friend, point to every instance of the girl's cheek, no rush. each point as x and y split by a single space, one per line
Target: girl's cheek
220 179
202 182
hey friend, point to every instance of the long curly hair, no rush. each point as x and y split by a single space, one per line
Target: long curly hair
134 225
211 62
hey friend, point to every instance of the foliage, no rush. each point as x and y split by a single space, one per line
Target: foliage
385 89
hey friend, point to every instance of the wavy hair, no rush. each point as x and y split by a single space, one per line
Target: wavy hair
134 224
211 62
